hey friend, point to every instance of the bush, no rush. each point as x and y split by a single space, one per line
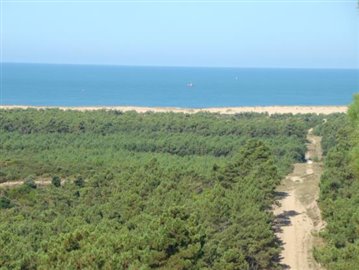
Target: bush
79 182
30 183
56 181
5 203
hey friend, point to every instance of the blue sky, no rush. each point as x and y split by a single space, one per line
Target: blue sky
243 34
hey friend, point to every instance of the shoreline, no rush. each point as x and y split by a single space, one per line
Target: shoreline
221 110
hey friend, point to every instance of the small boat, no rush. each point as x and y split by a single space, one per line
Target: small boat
189 84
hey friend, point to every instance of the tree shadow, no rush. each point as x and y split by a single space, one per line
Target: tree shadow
284 266
279 258
283 219
279 195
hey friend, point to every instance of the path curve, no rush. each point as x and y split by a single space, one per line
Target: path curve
298 217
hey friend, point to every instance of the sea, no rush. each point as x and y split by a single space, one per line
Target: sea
194 87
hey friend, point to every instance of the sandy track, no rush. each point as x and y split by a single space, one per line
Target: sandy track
221 110
298 217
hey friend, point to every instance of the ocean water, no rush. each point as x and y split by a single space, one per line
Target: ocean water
86 85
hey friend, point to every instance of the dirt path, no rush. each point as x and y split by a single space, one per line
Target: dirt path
298 216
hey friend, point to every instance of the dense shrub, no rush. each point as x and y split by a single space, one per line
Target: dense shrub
156 191
339 192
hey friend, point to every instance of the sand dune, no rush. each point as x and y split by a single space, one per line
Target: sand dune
221 110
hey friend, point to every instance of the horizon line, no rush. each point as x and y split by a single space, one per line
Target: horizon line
173 66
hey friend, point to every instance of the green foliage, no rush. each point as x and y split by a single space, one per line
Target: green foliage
79 181
156 191
56 181
30 183
339 192
353 111
329 130
5 202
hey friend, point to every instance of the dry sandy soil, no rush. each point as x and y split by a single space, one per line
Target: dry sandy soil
298 216
223 110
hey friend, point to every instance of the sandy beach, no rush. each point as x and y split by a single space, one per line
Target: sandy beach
221 110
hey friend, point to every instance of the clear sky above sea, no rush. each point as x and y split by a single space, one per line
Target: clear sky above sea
310 34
